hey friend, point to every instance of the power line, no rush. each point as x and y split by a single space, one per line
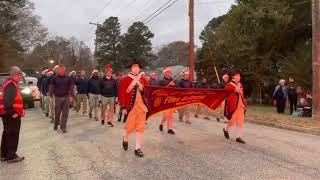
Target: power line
130 3
124 7
146 5
160 12
104 7
157 10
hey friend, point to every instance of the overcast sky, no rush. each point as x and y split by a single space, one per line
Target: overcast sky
71 17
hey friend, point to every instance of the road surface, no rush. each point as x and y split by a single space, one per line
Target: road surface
198 151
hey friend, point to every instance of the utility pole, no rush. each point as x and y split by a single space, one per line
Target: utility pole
316 58
191 39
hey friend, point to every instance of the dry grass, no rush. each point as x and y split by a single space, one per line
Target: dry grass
269 114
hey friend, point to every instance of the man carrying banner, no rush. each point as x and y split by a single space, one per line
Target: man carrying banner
222 85
167 81
153 81
235 106
185 83
131 98
201 109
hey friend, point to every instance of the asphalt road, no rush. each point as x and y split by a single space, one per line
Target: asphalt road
198 151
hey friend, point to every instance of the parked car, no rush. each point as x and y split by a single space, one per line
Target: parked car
32 82
26 91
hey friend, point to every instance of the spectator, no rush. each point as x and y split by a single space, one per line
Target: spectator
279 95
306 105
11 111
292 94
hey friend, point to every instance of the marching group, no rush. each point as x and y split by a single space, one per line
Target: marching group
61 92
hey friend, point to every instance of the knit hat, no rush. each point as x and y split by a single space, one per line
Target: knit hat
166 69
15 70
108 67
49 72
44 71
56 66
224 76
118 74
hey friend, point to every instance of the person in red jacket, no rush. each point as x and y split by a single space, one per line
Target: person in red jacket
130 96
235 106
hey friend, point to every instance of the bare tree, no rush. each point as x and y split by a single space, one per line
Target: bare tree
29 32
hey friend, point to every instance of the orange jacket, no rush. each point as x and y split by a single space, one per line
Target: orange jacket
17 103
126 99
233 99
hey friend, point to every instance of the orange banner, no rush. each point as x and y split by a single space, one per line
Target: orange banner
160 99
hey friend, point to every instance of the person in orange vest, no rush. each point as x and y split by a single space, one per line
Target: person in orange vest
11 110
134 105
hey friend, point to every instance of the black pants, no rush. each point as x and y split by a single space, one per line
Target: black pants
62 111
293 102
10 137
281 104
